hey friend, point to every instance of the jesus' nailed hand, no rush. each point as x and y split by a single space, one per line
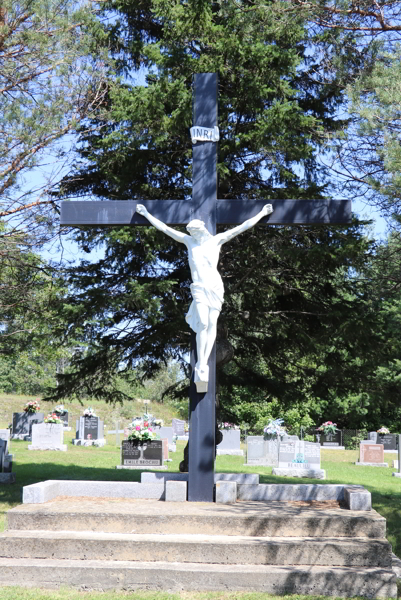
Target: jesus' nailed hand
207 286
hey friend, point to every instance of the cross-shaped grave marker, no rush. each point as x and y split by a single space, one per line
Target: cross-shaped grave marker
206 207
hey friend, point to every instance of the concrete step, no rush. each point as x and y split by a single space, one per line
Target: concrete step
196 548
105 575
273 519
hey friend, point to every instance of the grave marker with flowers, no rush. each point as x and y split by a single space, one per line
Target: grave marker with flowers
141 449
23 421
328 435
89 430
383 436
263 450
62 414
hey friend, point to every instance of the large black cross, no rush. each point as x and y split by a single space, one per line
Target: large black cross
208 208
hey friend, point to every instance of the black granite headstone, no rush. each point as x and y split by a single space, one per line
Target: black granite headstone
63 417
389 441
22 422
91 427
3 450
329 439
148 454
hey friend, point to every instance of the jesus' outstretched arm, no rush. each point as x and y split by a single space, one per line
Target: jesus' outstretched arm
176 235
226 236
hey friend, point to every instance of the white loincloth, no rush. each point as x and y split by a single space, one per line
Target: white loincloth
213 298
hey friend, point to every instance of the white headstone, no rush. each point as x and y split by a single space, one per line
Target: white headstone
299 455
47 436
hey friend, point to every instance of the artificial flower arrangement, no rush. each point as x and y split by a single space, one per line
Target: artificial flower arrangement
275 427
141 433
32 407
383 430
226 425
60 410
53 418
157 422
89 412
328 427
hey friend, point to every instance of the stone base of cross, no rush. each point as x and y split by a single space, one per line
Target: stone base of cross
206 207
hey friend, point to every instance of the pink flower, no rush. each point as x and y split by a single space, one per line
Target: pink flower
138 428
146 424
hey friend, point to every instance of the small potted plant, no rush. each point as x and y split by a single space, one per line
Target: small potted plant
32 407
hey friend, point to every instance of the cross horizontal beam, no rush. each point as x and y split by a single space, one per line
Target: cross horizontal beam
180 212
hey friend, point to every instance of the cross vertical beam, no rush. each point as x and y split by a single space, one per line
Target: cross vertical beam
202 412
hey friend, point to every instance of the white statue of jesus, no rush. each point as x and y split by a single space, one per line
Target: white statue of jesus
207 286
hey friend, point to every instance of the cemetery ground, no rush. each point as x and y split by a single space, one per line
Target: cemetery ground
91 463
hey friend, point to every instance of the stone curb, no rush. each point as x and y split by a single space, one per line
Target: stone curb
44 491
365 464
153 487
243 478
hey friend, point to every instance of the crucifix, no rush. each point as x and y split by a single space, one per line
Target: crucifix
205 212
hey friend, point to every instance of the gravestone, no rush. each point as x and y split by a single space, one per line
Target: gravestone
333 440
6 463
164 432
3 450
137 456
231 442
178 427
47 436
389 440
371 455
89 431
64 417
165 448
299 459
262 450
5 434
22 424
255 449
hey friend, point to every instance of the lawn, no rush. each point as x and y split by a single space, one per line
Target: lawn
99 463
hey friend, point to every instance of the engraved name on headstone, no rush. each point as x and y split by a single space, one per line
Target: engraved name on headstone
148 454
299 454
